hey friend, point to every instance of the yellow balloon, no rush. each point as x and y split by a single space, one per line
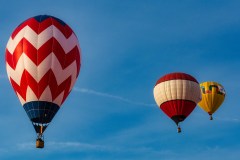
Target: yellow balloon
213 95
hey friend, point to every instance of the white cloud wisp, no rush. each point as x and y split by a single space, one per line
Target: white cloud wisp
102 94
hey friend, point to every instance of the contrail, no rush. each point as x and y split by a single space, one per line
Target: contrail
88 91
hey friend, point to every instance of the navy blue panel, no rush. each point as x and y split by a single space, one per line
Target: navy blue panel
59 20
41 111
41 18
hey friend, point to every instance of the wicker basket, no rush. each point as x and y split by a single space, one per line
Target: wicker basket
39 143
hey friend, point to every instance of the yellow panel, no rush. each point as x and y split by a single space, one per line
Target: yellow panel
213 95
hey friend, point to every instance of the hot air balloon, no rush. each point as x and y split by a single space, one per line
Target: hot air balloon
43 63
177 94
213 95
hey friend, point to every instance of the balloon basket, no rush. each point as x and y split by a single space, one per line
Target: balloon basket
179 130
39 143
211 118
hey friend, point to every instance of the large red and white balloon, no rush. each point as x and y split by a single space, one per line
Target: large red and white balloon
43 63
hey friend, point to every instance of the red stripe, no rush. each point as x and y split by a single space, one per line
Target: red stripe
177 75
45 50
44 25
72 56
9 59
178 107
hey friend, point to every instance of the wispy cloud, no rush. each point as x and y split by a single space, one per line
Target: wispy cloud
79 147
66 145
236 120
26 146
142 151
107 95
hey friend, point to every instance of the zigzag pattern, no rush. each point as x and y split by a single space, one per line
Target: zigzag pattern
43 60
38 88
37 40
39 71
39 27
37 56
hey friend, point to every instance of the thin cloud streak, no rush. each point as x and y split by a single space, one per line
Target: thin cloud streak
66 145
236 120
89 91
26 146
61 145
79 146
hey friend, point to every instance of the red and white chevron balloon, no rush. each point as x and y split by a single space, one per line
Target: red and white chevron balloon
43 60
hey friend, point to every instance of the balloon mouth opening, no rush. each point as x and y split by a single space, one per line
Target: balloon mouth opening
178 118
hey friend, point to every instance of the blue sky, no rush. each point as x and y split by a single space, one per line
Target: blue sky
126 46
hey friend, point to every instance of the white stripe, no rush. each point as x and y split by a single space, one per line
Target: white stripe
177 89
39 40
37 72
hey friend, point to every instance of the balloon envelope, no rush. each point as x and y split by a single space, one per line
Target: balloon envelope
43 63
177 95
213 95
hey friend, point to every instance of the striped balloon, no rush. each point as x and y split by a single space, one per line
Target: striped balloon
177 95
43 63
